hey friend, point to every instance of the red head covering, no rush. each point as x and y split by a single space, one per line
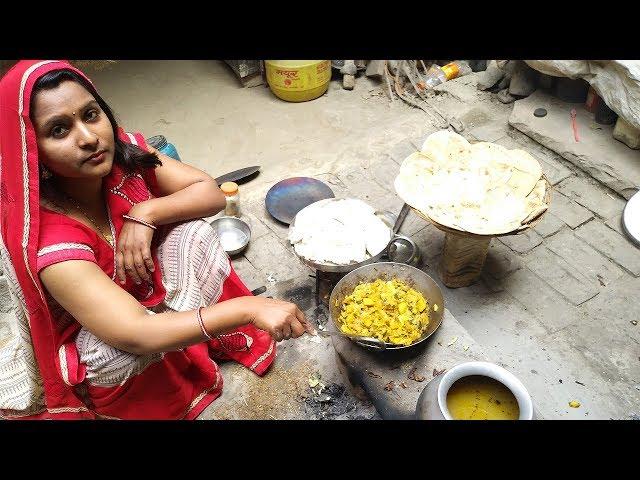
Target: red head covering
29 380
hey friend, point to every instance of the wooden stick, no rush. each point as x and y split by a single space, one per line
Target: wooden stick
397 84
387 76
415 85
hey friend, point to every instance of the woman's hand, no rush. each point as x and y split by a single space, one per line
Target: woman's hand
282 320
133 253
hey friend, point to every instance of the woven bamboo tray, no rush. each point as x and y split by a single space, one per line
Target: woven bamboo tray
464 253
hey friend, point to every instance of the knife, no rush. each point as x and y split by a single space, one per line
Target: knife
401 216
237 175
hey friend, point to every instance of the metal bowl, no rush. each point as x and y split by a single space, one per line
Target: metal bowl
404 250
412 276
234 234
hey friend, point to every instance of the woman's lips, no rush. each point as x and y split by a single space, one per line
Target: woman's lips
97 158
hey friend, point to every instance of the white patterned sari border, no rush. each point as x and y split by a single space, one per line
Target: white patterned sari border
64 246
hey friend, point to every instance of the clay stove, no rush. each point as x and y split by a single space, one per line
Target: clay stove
325 281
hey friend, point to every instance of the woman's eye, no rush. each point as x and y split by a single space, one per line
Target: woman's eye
58 131
92 114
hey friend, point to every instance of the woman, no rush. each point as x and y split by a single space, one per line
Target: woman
123 296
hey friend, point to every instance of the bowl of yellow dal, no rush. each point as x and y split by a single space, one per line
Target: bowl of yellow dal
475 391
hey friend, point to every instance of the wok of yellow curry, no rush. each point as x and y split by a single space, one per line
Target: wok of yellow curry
390 311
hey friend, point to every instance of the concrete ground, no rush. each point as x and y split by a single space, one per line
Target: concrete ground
557 306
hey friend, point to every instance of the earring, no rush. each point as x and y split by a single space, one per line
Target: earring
45 174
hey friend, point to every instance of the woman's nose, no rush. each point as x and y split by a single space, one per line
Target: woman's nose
86 137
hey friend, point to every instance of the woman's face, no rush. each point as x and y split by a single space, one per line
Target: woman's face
75 137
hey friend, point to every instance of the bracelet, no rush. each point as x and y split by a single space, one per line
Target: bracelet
140 221
201 323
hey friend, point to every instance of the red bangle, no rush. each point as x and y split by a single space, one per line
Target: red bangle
201 323
140 221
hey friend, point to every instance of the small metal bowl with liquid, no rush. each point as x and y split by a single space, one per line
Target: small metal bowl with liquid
234 234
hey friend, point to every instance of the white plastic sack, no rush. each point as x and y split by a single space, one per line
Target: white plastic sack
616 81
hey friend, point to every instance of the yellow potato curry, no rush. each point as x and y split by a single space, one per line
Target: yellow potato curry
390 311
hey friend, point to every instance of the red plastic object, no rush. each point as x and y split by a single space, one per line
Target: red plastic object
574 124
593 100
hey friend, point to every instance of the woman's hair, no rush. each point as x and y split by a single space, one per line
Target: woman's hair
127 155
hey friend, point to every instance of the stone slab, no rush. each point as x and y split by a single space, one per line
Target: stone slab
549 225
561 276
597 152
612 245
569 211
523 242
592 196
584 259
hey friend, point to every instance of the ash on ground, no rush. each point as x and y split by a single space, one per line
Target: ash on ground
334 402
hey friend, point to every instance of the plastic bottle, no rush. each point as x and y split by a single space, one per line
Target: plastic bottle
230 190
159 142
437 75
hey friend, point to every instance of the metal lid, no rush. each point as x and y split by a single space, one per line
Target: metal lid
229 188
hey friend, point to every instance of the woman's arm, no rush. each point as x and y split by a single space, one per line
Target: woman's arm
118 319
188 193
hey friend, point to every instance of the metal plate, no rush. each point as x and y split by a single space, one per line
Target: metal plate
631 218
287 197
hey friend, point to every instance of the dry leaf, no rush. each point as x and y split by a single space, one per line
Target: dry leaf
412 376
314 380
389 386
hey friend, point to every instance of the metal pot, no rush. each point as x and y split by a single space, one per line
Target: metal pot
413 277
403 250
397 243
432 403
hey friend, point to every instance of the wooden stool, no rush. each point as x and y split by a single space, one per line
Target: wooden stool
462 260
